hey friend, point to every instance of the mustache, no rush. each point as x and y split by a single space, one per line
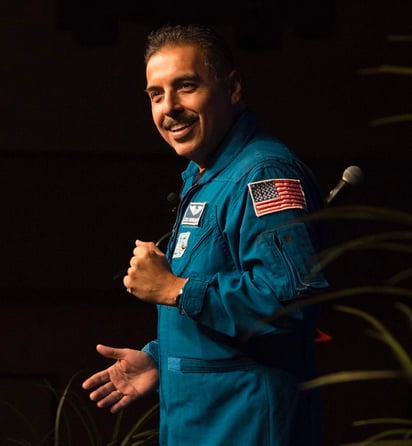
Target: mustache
185 119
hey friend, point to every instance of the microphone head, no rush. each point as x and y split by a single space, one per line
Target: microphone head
173 198
353 175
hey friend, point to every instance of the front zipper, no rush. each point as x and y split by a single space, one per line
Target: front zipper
179 217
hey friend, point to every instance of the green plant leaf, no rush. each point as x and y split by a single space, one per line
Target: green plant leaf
398 241
141 422
384 335
399 38
390 433
376 214
400 276
387 120
387 69
402 421
354 375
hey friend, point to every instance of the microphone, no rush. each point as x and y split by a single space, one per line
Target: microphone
174 200
351 176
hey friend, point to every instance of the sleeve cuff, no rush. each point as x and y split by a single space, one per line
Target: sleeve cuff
194 292
152 349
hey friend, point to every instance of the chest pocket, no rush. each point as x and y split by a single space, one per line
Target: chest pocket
199 243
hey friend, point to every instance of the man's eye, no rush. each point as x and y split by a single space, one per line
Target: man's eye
188 86
154 95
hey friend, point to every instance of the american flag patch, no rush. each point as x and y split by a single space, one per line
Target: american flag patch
274 195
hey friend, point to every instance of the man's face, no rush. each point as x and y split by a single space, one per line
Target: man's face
190 109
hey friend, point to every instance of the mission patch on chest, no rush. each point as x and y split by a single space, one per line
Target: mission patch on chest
193 214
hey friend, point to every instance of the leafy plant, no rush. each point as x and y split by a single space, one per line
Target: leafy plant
73 416
398 70
397 240
402 429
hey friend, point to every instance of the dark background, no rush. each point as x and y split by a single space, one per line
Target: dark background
83 174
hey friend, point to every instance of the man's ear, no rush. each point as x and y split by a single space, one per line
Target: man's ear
235 86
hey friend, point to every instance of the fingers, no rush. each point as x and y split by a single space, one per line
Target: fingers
126 283
142 256
103 376
110 352
147 247
103 391
144 251
148 273
142 243
108 396
96 380
123 401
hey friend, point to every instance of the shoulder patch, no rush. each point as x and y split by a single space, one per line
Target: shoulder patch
274 195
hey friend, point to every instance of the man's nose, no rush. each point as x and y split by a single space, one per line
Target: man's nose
171 103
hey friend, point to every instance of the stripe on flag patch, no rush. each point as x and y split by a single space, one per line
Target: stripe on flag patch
275 195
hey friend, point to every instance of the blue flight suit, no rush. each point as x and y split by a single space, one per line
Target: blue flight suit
230 360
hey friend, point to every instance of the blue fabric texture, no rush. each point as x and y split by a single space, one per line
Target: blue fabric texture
231 356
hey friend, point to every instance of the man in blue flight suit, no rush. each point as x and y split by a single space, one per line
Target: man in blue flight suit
233 346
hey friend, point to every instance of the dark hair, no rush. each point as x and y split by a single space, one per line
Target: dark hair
218 56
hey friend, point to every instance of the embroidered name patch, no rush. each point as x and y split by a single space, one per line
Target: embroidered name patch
193 214
275 195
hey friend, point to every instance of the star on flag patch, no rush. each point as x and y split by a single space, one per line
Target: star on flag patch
275 195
